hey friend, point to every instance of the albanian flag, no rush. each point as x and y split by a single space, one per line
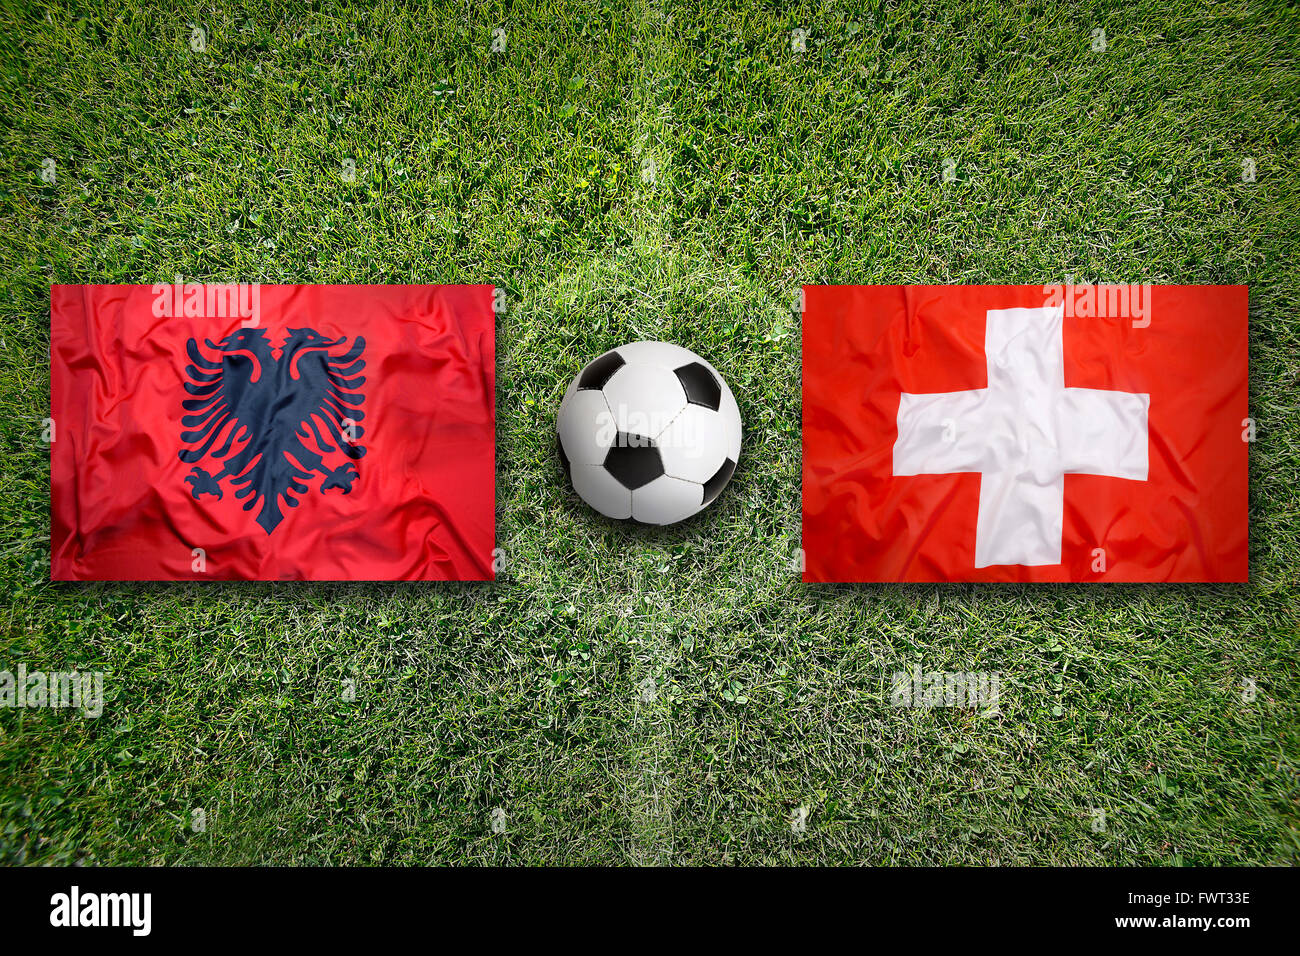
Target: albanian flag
1025 433
271 432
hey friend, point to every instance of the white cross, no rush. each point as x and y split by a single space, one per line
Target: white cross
1023 433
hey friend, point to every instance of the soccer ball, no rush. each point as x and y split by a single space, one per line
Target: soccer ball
650 432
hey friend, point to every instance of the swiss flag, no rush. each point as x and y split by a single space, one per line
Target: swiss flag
1025 433
271 432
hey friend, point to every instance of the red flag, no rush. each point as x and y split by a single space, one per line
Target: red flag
271 432
1025 433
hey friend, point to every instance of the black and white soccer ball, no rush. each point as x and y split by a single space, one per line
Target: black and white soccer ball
650 432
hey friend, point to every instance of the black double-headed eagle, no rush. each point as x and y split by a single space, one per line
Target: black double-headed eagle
271 419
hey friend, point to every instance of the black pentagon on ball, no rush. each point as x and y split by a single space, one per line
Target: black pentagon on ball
634 461
596 374
700 385
713 487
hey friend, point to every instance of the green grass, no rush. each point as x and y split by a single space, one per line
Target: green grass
623 695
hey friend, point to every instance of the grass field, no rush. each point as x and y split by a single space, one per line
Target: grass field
647 170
